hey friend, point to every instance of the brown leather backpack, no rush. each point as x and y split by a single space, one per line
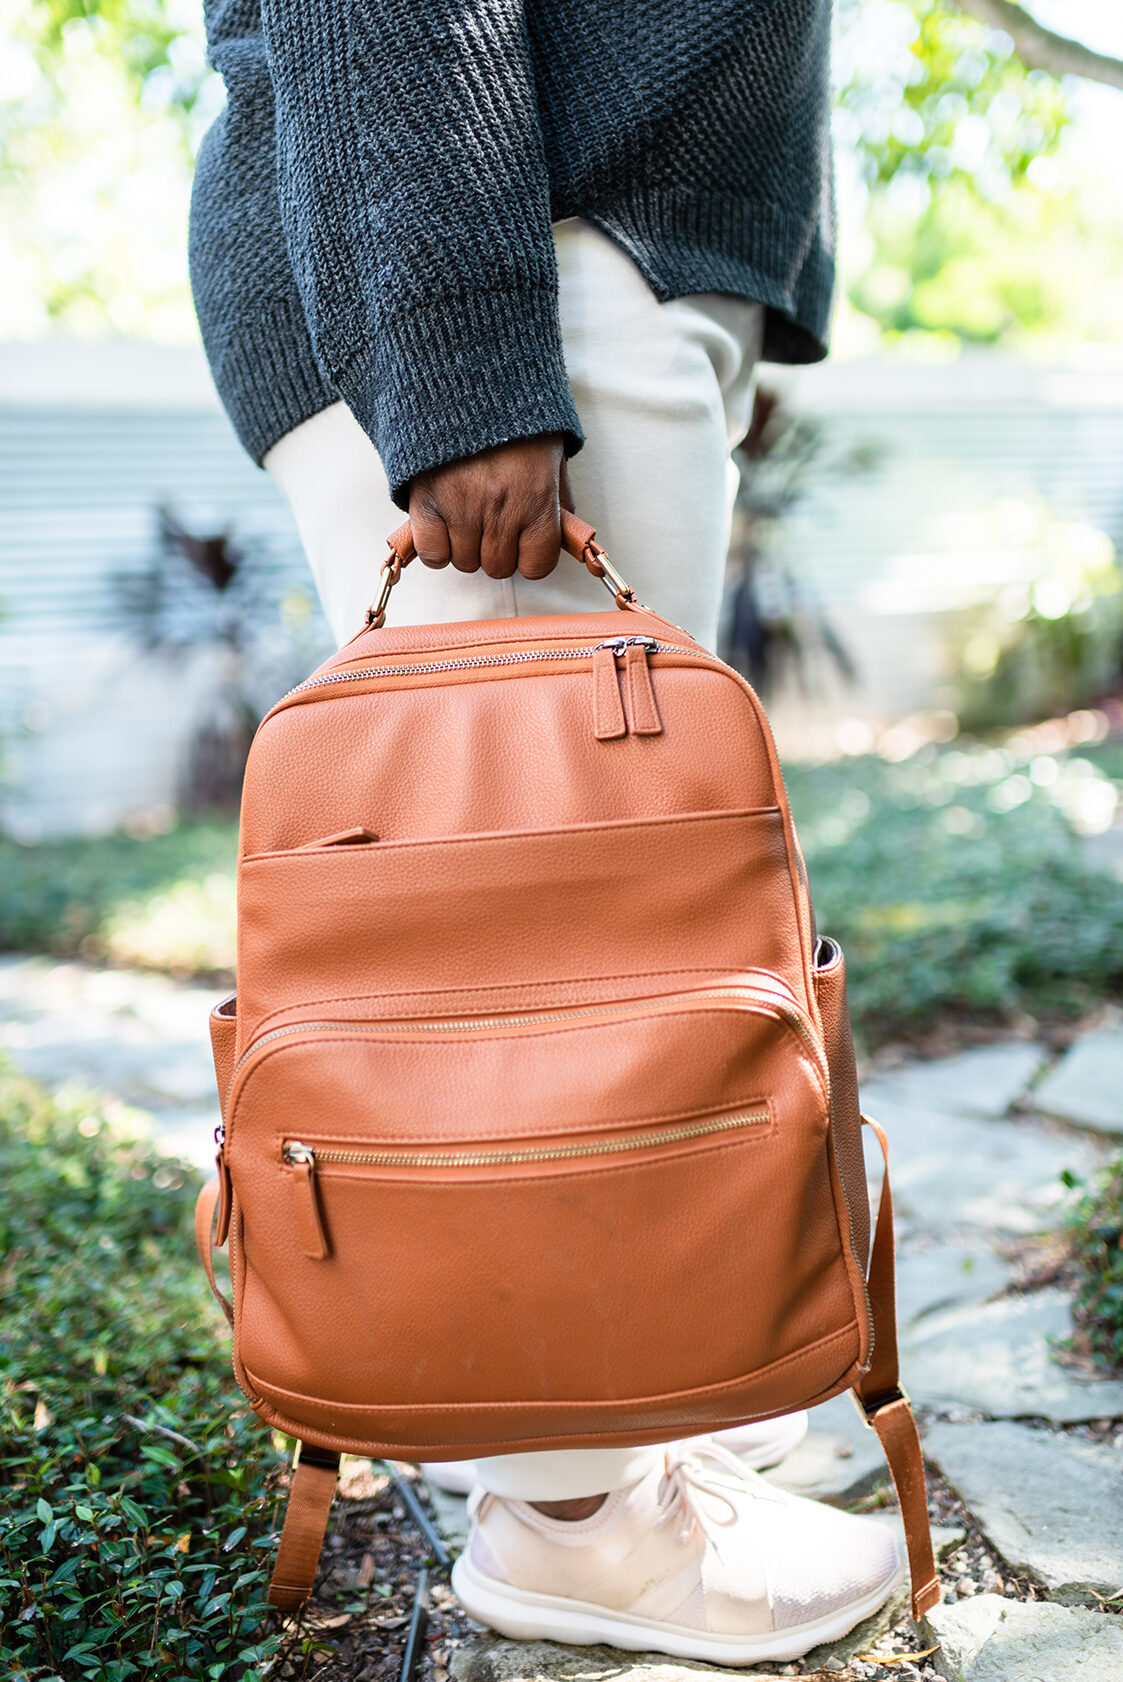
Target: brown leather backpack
540 1115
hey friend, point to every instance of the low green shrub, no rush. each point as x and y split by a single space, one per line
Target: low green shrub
135 1503
958 888
1096 1229
163 901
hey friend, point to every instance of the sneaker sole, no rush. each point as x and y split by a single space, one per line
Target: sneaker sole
525 1616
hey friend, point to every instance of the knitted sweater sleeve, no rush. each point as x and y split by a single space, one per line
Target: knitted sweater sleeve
415 200
250 313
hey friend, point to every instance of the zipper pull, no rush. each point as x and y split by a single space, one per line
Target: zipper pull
641 693
302 1160
225 1198
609 722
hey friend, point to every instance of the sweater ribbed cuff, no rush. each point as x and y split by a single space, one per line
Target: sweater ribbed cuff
458 375
269 379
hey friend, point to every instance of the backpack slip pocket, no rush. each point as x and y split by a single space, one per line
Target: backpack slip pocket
381 1163
348 921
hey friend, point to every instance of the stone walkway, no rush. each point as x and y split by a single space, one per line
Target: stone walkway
1029 1451
140 1038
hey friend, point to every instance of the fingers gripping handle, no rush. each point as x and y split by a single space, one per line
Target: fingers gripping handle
578 540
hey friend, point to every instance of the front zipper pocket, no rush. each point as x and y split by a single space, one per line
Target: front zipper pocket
308 1161
441 1210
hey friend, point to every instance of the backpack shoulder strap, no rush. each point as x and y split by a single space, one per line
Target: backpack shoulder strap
314 1476
206 1204
885 1406
313 1489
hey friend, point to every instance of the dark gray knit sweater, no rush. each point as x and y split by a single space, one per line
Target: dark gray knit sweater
371 214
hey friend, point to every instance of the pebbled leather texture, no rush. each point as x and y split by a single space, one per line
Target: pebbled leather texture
540 1108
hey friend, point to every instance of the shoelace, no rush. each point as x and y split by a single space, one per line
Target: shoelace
687 1478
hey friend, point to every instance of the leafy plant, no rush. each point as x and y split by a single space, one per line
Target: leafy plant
1052 644
1096 1228
771 626
970 225
135 1487
204 590
165 901
957 886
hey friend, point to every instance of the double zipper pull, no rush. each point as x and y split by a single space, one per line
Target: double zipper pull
301 1159
609 722
641 694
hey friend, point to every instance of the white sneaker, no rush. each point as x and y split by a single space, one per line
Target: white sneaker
457 1476
703 1560
759 1445
766 1443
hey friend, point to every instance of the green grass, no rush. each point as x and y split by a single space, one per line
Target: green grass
954 880
958 888
164 901
135 1513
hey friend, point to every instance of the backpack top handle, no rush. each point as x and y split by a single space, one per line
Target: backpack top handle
578 540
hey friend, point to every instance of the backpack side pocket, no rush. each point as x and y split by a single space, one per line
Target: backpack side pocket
224 1028
846 1118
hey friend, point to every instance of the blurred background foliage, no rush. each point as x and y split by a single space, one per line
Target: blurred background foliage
968 187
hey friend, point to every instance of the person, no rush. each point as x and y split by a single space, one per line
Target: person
479 260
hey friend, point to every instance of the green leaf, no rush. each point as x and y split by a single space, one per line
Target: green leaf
44 1510
159 1455
137 1514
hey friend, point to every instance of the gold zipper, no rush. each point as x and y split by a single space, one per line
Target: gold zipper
298 1154
484 1024
304 1160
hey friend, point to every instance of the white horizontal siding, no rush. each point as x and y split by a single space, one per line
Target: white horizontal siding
94 438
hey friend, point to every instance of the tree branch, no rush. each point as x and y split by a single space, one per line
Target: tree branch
1043 49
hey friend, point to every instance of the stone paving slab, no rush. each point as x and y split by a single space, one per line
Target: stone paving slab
491 1659
928 1280
982 1081
991 1639
1086 1087
996 1358
1047 1503
451 1514
997 1177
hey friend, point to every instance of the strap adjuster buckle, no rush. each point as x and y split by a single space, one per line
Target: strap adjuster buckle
867 1410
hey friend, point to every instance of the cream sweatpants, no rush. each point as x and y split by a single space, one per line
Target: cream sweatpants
664 392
